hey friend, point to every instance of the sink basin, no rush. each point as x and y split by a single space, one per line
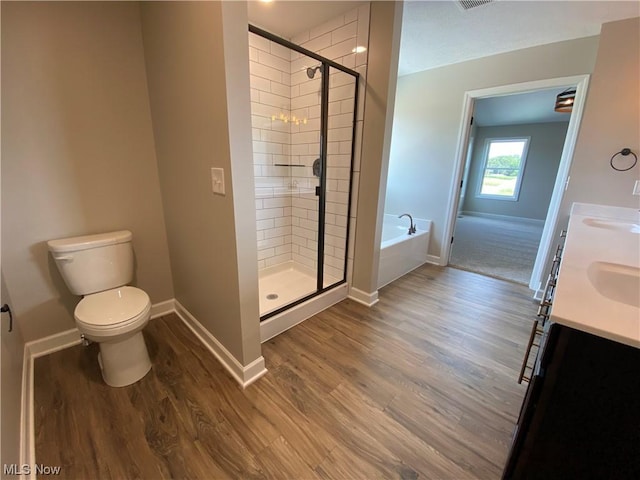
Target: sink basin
620 283
612 225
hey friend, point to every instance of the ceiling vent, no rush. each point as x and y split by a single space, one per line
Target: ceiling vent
469 4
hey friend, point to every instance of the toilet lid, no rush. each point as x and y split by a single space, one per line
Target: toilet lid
112 307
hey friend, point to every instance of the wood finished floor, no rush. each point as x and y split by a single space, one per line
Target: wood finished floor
422 385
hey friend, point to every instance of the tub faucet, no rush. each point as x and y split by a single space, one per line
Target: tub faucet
412 227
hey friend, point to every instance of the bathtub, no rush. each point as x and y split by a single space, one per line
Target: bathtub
400 252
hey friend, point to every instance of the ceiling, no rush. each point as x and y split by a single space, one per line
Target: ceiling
517 109
287 18
438 33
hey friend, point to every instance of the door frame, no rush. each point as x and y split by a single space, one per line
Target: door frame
562 178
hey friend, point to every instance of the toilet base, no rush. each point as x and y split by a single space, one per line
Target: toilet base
124 362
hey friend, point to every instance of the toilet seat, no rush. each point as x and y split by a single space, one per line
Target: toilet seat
113 312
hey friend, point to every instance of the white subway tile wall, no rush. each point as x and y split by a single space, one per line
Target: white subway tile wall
285 106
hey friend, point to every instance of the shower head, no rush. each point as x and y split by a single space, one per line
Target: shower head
311 71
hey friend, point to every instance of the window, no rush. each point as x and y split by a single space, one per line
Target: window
503 168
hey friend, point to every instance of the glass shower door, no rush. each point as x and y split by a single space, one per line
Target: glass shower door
303 112
285 108
306 85
341 97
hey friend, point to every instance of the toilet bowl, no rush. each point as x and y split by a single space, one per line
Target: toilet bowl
111 313
115 319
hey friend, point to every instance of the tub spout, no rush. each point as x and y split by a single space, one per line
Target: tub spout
412 227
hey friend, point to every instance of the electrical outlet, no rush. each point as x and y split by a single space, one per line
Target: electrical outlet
217 180
636 188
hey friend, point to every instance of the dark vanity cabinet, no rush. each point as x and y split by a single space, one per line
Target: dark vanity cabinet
580 418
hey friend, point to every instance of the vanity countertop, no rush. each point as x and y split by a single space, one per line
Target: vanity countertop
598 288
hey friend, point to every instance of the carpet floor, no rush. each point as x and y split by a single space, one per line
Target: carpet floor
498 248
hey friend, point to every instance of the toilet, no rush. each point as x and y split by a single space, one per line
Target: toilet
99 267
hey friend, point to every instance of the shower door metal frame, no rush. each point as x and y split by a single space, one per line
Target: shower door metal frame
322 189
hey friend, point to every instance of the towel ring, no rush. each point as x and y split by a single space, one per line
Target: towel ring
624 152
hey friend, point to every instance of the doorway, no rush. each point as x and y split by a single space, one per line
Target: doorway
513 156
561 178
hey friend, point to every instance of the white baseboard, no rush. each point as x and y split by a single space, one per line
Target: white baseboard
162 308
244 375
27 415
367 299
509 218
53 343
436 260
295 315
33 350
69 338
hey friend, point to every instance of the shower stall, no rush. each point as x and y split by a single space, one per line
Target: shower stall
303 109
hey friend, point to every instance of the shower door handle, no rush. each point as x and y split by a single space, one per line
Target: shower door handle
318 191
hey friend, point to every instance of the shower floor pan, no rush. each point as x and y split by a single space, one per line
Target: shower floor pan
286 285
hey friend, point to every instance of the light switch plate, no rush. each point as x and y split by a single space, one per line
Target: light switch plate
217 181
636 188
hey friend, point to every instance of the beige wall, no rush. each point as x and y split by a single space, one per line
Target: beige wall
428 114
11 369
382 70
188 57
611 121
77 153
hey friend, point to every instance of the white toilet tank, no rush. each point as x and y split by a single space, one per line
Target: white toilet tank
94 263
